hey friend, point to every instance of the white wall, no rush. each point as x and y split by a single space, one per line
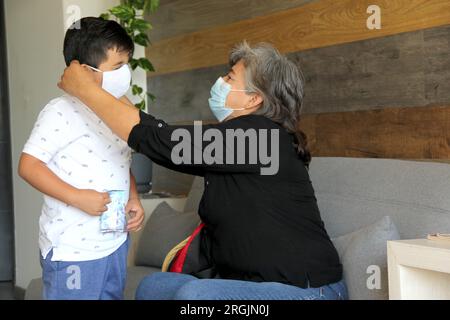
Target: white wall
34 44
89 8
35 33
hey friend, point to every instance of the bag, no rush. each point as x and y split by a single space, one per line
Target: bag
191 256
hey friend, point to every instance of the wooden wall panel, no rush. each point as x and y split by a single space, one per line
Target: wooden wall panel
417 133
406 70
400 133
184 96
317 24
177 17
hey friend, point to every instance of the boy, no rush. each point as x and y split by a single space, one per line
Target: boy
75 160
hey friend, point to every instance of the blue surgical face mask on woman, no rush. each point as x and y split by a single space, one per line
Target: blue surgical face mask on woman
116 82
217 102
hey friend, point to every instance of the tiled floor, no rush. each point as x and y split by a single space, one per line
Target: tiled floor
6 291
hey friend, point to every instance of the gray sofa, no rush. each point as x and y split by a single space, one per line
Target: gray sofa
363 202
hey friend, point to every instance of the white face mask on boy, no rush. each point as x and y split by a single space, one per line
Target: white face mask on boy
116 82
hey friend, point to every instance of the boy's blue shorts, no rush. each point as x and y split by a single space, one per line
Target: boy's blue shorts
101 279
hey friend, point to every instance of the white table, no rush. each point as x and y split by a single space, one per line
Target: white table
418 269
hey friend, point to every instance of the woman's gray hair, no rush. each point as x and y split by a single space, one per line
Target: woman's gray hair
280 83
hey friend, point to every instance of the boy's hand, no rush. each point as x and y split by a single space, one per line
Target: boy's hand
134 207
92 202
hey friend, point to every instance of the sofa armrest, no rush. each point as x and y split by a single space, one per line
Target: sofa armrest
149 205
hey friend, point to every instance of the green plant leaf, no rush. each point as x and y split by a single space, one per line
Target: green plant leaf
137 90
140 105
140 25
134 63
129 30
145 64
123 12
142 39
105 16
138 4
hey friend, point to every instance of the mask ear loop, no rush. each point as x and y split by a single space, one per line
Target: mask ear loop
239 90
95 69
240 109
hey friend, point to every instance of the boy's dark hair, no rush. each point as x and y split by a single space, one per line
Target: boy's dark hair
89 39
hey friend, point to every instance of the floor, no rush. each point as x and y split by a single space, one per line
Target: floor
6 291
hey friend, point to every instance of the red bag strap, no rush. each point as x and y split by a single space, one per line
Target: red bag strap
177 265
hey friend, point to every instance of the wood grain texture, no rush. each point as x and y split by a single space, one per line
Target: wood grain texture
405 70
314 25
183 96
178 17
398 133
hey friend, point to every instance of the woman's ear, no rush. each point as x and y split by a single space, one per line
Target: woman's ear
255 101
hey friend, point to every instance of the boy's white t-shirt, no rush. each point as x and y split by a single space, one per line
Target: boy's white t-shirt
82 151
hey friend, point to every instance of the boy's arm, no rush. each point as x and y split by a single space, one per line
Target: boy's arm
134 205
37 174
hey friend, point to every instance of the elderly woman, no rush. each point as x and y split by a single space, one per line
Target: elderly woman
267 239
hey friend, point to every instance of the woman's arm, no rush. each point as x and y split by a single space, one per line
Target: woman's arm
150 136
124 99
117 115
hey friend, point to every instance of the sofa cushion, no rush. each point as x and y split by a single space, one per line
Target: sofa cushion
363 254
355 192
165 228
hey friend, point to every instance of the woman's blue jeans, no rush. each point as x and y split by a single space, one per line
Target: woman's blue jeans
177 286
